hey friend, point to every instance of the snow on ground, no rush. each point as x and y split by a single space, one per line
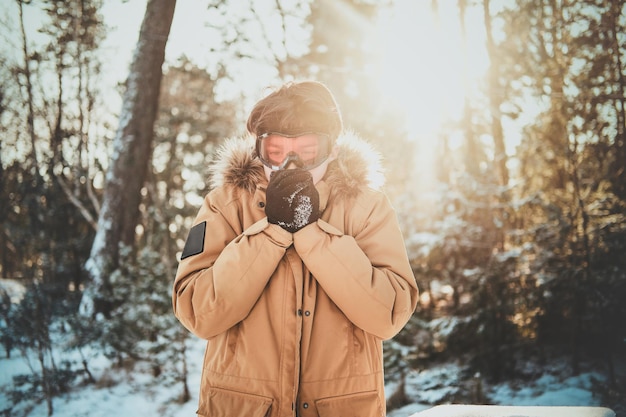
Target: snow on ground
554 388
135 393
125 393
550 390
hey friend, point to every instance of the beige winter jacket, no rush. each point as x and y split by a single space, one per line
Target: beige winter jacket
294 322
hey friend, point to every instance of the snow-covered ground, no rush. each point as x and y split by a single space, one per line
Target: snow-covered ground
433 386
136 394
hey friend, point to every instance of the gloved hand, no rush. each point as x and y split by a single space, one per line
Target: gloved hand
292 200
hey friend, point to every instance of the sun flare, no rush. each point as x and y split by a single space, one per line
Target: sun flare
426 67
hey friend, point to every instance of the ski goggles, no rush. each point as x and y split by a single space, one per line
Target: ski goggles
307 150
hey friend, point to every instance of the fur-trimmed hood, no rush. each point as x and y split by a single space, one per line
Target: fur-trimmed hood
357 165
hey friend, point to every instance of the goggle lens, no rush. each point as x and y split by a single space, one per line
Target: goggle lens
308 150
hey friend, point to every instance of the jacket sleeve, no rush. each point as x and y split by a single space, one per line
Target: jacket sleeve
224 273
368 275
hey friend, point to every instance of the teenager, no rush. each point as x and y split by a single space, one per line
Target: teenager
295 270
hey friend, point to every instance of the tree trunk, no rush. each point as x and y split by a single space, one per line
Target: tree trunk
495 100
471 157
619 178
132 150
30 118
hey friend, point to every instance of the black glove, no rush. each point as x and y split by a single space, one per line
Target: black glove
292 200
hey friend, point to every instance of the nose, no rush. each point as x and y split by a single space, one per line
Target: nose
292 159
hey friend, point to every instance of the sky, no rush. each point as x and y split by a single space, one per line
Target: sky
432 66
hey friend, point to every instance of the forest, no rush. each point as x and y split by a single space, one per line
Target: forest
502 128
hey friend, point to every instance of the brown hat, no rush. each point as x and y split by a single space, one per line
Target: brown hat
297 107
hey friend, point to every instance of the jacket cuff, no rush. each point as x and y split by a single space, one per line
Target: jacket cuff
276 233
306 237
328 228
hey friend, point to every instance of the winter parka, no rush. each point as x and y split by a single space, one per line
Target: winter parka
294 323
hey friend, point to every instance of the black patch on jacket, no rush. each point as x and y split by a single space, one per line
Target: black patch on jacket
195 241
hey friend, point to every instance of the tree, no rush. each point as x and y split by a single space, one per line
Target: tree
45 141
567 56
132 148
494 91
189 127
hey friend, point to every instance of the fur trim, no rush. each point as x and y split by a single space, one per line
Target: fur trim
357 165
235 163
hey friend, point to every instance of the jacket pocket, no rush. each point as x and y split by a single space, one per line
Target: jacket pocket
227 403
362 404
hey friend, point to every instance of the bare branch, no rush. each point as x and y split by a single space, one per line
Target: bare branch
77 203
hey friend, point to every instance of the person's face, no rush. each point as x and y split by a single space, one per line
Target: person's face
310 151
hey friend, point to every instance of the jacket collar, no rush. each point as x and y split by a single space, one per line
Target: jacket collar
357 166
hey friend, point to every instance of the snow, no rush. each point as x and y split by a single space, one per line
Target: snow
136 392
434 386
13 288
117 392
550 391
